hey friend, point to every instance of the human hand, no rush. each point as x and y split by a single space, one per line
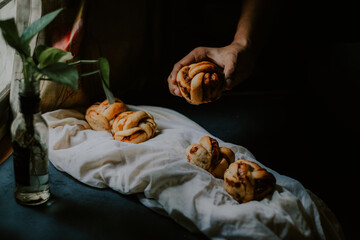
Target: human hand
236 59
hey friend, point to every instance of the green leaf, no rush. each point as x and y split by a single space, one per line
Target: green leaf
31 62
104 68
52 55
36 27
11 34
63 74
37 51
109 95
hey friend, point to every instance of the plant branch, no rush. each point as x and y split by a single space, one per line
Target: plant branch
82 61
90 73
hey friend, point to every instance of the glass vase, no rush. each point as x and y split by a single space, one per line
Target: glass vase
29 134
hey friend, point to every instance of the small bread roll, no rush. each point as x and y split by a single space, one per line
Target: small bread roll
227 157
101 115
201 82
246 181
199 156
134 126
209 156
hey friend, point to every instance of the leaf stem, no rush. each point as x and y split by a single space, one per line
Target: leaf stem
90 73
82 61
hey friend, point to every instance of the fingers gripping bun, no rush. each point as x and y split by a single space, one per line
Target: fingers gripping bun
201 82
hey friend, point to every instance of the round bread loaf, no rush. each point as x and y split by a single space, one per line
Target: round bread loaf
246 181
209 156
101 115
201 82
134 126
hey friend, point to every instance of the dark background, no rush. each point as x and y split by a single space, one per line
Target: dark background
297 113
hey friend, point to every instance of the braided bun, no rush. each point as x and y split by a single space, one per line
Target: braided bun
209 156
200 82
101 115
246 181
134 127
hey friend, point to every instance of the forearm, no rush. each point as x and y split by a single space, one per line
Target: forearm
238 58
254 23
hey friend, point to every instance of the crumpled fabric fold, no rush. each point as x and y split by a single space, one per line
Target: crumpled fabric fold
158 171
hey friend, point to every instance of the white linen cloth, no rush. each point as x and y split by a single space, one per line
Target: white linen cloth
158 169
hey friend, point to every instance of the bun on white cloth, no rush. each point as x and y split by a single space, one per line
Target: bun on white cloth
158 171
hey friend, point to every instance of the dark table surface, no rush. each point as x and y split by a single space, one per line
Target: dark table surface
77 211
293 134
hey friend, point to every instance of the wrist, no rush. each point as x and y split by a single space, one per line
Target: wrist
241 42
243 37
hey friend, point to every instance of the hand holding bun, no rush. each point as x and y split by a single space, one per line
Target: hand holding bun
209 156
201 82
134 127
246 181
101 115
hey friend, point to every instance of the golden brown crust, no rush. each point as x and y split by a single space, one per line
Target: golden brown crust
199 156
246 181
201 82
134 127
209 156
100 115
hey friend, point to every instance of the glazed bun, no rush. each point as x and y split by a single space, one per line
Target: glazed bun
246 181
134 126
201 82
209 156
101 115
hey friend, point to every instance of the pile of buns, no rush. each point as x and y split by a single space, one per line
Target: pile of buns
244 180
125 126
201 82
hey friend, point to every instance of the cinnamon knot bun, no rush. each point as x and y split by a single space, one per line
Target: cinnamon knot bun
201 82
134 127
101 115
209 156
246 181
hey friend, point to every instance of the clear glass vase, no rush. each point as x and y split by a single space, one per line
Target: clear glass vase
29 134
